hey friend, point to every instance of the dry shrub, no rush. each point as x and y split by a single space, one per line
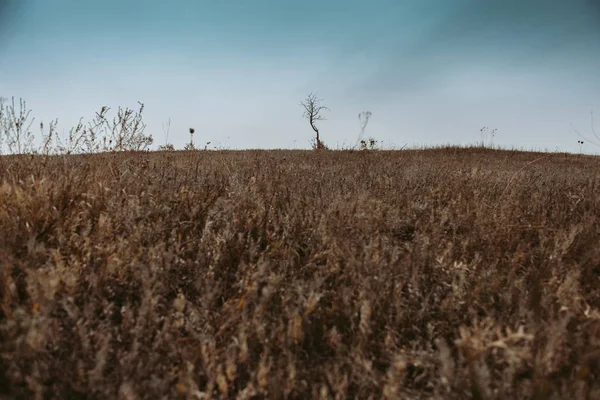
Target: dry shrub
448 273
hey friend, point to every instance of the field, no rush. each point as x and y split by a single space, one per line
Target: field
447 273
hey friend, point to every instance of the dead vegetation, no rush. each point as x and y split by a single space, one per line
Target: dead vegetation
313 108
448 273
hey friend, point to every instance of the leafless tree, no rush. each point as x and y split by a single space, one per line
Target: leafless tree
312 111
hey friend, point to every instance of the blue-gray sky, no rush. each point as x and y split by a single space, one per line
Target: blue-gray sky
430 71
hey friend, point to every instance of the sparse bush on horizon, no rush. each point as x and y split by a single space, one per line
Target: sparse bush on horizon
15 127
125 132
447 273
487 136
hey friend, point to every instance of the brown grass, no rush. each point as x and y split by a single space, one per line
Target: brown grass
448 273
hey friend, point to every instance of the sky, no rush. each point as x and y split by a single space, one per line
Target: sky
430 71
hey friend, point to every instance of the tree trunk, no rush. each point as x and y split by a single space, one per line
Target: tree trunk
317 133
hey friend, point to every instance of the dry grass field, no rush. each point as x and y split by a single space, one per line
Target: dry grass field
448 273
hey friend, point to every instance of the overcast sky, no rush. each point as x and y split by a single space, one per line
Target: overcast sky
430 71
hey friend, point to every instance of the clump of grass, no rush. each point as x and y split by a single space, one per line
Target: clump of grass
448 273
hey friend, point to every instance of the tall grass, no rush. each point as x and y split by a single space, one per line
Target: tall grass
448 273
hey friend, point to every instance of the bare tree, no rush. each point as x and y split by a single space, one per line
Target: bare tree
312 111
